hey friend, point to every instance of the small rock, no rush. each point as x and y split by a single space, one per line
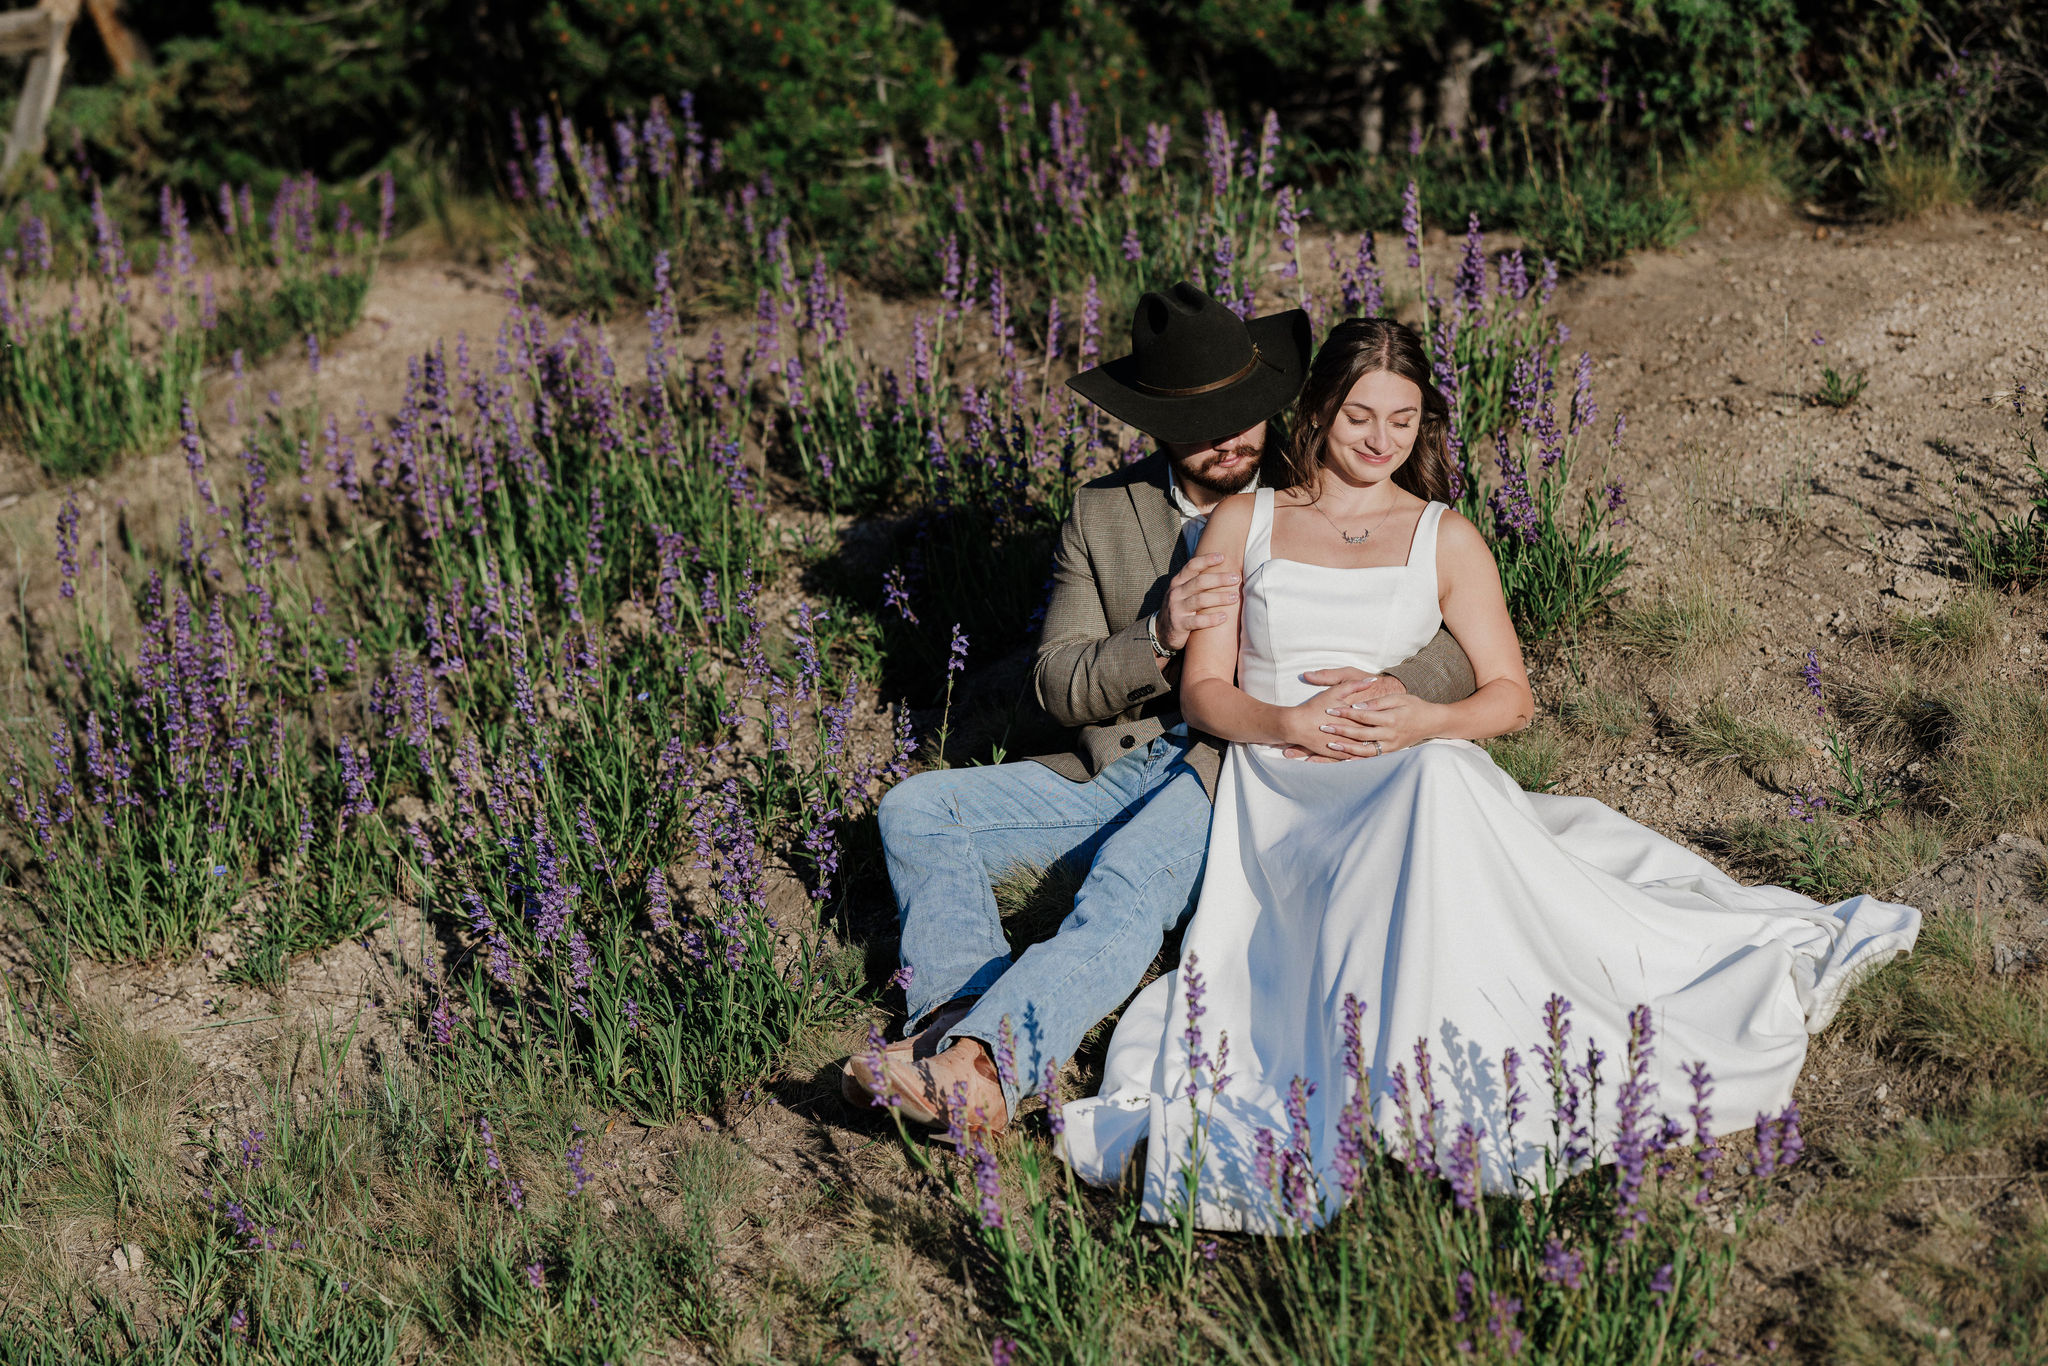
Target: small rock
634 617
2010 958
1917 585
409 810
128 1257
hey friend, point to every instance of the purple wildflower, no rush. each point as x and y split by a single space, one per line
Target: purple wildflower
572 1158
1411 224
1464 1166
986 1183
1702 1125
67 544
1562 1265
1778 1144
1055 1112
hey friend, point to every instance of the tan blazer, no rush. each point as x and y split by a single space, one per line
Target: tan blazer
1095 671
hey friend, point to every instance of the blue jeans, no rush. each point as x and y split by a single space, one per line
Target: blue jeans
1142 828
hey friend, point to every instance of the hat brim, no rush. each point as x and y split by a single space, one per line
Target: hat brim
1284 341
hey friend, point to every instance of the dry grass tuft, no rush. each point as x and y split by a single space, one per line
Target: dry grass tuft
1829 859
1681 628
1739 178
1954 636
1906 184
1716 734
1993 762
1034 902
1895 707
1944 1007
1603 714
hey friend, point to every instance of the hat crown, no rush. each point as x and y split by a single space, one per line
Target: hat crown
1182 339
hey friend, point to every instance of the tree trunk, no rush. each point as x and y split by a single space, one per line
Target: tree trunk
124 49
1454 86
1372 107
1372 94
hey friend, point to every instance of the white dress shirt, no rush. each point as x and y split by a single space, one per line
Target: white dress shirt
1192 521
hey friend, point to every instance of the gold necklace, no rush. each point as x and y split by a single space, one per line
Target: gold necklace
1361 537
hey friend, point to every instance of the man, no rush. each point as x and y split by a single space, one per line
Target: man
1131 802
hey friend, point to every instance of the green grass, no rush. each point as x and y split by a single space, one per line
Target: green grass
260 320
1531 757
77 396
1034 902
1944 1205
1839 389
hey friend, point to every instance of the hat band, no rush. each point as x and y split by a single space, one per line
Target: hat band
1208 388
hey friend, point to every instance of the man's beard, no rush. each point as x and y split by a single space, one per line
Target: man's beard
1221 486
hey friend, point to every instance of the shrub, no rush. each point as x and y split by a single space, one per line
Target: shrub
1494 352
1061 201
1717 735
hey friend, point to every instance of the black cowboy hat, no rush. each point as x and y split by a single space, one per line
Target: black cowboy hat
1198 371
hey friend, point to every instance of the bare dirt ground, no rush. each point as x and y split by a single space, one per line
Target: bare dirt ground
1819 527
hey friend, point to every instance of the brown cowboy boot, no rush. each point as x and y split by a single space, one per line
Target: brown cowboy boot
858 1084
956 1089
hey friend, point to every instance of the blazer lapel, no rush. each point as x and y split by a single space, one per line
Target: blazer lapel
1157 520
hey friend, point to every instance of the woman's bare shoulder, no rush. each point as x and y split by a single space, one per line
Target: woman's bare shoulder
1459 544
1234 509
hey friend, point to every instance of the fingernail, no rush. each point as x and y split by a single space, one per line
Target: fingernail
1327 730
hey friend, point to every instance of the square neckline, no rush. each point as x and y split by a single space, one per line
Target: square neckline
1264 507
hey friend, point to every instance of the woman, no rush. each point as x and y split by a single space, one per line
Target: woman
1398 908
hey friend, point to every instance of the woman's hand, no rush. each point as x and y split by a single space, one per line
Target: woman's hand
1371 685
1393 721
1327 728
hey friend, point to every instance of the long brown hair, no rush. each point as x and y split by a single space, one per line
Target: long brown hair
1354 349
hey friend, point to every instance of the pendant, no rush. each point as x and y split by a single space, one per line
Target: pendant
1359 539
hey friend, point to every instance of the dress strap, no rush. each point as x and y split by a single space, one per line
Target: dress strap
1258 541
1422 550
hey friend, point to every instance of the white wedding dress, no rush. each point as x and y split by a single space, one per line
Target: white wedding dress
1452 905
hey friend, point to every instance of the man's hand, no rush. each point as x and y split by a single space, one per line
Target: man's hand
1193 600
1378 685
